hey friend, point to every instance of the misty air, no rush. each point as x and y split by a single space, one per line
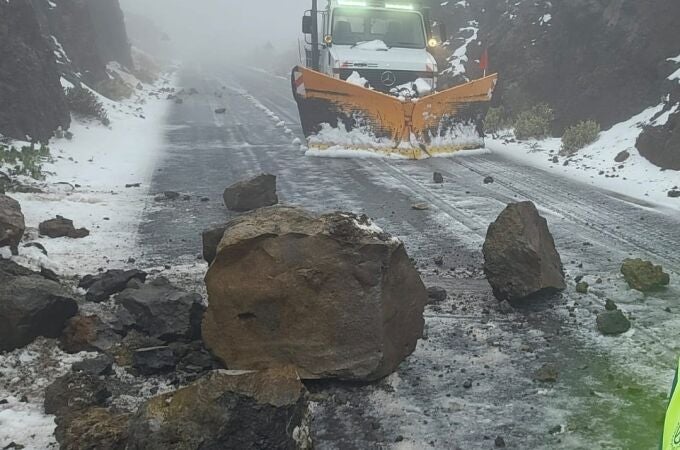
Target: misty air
339 225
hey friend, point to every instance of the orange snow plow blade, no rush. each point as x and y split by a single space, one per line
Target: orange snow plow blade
341 116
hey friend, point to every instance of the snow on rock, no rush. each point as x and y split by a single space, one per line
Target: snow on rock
459 57
87 180
636 178
546 18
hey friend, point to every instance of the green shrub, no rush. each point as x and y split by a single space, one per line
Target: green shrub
578 136
535 123
27 162
83 103
497 120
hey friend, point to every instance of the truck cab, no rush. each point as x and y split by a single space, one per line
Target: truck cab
385 42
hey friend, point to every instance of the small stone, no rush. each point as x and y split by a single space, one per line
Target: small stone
49 274
467 384
420 206
643 275
555 430
37 245
622 156
582 287
612 323
101 365
133 185
439 261
220 110
399 438
154 360
436 294
499 442
438 178
674 193
488 180
609 305
548 373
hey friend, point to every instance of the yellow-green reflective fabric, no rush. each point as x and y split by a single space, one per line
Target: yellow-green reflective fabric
671 428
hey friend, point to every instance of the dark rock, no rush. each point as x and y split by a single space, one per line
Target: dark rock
467 384
644 276
439 261
211 239
674 193
610 305
612 322
167 195
179 101
499 442
154 360
622 156
49 274
88 333
220 110
347 303
555 159
37 245
13 446
226 410
164 311
520 259
100 365
660 144
32 98
548 373
251 194
101 286
133 185
438 178
506 307
582 287
12 225
94 428
436 294
30 306
488 180
61 227
73 392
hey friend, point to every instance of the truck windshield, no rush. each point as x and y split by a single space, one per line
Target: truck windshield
395 28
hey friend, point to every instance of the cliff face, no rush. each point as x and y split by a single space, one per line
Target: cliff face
588 59
32 101
44 40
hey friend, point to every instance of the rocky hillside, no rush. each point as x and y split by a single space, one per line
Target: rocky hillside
31 96
74 39
588 59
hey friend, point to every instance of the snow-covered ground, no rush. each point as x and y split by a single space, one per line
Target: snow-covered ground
87 183
635 177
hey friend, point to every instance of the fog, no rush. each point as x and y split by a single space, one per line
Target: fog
223 28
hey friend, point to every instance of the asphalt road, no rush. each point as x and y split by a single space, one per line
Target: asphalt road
611 391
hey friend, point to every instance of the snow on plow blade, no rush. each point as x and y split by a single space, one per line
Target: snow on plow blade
337 115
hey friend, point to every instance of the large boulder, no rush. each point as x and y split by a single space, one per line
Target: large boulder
226 410
251 194
30 306
12 225
333 296
520 259
95 428
644 276
161 310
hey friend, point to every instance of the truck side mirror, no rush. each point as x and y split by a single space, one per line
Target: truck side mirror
443 33
307 24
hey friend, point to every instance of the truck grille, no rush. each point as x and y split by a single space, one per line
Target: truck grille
375 77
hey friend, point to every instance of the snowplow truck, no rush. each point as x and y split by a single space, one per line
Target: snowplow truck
369 83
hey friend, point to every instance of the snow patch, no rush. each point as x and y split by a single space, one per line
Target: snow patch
545 19
636 178
375 45
357 79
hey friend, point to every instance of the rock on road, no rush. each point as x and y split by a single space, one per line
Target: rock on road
472 379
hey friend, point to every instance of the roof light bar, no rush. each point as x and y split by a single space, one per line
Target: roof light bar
405 6
352 3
